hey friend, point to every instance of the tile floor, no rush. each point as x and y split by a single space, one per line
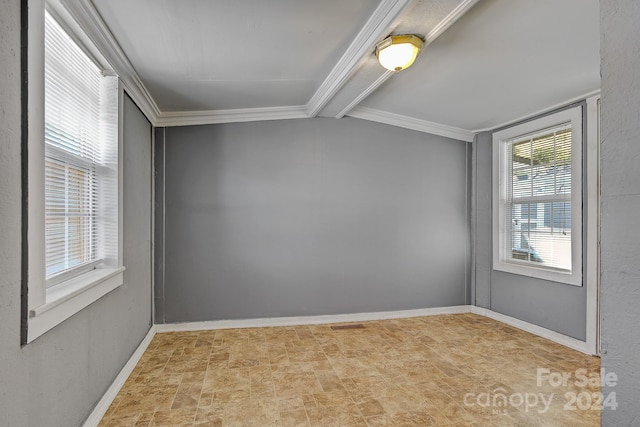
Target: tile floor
450 370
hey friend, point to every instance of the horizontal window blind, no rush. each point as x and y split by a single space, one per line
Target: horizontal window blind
73 145
539 198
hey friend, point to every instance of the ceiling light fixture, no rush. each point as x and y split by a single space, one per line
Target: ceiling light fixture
396 53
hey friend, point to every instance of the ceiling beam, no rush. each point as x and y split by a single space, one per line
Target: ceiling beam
442 26
91 22
368 91
373 31
449 20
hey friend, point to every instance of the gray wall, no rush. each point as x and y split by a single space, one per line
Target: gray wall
158 229
620 204
57 379
555 306
308 217
481 218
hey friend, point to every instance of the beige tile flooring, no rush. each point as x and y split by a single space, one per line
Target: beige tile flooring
458 370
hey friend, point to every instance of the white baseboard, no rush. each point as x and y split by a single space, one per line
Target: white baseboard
309 320
554 336
103 405
557 337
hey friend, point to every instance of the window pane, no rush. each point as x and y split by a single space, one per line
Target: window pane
541 234
521 169
524 222
66 243
551 249
70 216
552 163
557 215
72 95
541 164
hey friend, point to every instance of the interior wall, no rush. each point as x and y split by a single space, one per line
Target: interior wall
481 218
555 306
620 204
57 379
310 217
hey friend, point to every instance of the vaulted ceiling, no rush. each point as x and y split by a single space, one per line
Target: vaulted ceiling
486 62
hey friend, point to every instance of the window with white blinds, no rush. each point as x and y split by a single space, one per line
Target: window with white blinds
538 203
539 197
73 207
77 157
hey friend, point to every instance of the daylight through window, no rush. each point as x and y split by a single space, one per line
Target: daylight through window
77 157
537 198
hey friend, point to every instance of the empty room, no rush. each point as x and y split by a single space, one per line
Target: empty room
319 213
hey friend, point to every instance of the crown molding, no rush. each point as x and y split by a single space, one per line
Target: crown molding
586 96
89 19
375 28
87 16
412 123
208 117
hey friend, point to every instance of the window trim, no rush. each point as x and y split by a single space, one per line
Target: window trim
500 249
48 307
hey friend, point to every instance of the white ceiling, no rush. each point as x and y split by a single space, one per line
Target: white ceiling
228 54
228 60
503 60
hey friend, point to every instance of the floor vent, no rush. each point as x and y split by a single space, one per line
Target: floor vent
350 326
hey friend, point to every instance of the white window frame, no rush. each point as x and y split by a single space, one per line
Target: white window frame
48 307
501 241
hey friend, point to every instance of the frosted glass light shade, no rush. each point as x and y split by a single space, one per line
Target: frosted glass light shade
396 53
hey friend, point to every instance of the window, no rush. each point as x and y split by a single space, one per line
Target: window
76 147
73 209
537 198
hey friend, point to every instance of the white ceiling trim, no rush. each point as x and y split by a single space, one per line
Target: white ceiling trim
442 26
188 118
449 20
543 111
411 123
375 28
368 91
89 19
87 16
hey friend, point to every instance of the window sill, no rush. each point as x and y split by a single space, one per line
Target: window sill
539 273
68 298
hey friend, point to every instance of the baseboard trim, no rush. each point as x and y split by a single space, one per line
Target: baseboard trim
308 320
554 336
103 405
